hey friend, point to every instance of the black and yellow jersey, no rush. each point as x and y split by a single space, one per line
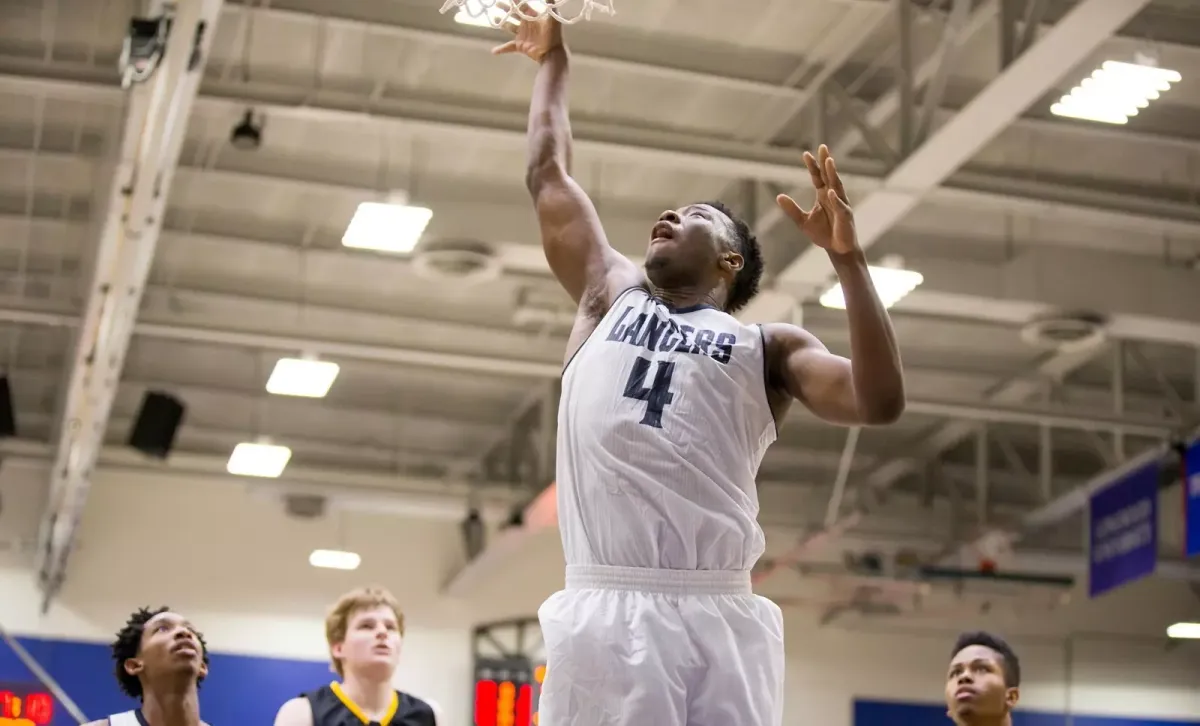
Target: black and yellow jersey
332 707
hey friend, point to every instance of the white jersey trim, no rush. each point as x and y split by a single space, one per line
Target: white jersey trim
129 718
766 384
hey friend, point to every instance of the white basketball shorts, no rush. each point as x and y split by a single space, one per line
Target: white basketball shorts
651 647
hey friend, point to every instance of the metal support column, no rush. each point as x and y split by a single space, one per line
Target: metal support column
875 140
1118 395
982 483
960 13
1008 32
820 120
1035 13
1046 462
954 494
1196 377
907 78
834 510
547 433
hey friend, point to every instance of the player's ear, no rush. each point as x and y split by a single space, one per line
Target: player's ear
134 666
732 262
1011 696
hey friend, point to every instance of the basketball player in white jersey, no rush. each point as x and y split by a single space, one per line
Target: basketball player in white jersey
668 404
160 660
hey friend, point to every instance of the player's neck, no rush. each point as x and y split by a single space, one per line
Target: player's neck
172 707
686 297
370 694
1004 720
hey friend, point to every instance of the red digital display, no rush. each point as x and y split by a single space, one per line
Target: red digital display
485 703
524 705
26 709
503 704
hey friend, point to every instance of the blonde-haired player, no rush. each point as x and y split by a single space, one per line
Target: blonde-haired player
364 629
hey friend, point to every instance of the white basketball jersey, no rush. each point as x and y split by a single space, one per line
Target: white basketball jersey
662 425
129 718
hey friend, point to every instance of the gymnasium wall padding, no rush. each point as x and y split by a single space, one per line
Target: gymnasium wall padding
897 713
242 690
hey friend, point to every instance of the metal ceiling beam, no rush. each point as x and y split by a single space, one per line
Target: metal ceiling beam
423 496
1134 425
885 476
1010 294
332 20
281 316
374 456
1065 506
1163 307
1030 76
641 147
359 457
157 114
889 103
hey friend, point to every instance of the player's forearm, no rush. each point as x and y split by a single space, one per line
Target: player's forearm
874 355
549 122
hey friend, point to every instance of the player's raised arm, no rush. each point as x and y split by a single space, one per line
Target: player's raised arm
573 238
867 388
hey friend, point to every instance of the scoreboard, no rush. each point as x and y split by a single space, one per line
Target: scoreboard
25 705
507 691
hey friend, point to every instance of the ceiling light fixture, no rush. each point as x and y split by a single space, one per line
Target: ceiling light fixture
334 560
892 283
306 377
393 226
1184 631
1116 91
259 459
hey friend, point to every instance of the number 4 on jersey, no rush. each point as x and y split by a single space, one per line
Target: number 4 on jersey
658 396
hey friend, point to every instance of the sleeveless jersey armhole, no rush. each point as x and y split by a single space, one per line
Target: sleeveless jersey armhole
592 334
766 374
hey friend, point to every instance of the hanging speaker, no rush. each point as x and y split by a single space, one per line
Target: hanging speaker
157 422
8 421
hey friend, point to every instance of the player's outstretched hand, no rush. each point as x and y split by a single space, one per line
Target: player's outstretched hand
830 223
534 38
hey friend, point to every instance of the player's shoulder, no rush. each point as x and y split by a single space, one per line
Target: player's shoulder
297 711
418 709
786 336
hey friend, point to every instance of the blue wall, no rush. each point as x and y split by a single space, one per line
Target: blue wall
239 689
895 713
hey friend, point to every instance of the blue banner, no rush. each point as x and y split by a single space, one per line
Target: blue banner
1123 530
1191 503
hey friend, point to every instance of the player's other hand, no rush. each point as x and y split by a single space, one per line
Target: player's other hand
534 38
830 223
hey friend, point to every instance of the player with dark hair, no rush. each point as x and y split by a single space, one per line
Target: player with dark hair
984 681
668 405
160 660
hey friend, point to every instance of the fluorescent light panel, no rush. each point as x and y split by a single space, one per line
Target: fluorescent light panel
1184 631
892 284
334 560
257 459
472 13
386 227
1115 91
302 377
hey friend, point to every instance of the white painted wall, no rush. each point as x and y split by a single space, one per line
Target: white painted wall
238 567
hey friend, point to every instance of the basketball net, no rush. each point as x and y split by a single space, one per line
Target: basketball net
499 12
